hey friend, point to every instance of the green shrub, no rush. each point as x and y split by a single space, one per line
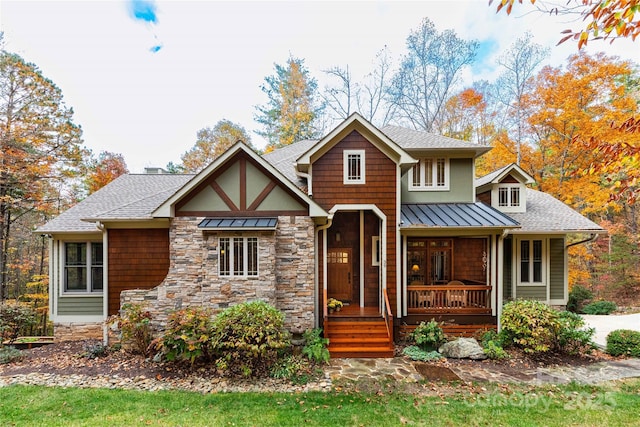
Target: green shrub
14 318
577 296
293 368
315 346
9 354
248 336
571 335
600 307
416 353
187 336
492 344
95 350
494 350
134 323
530 325
429 336
623 342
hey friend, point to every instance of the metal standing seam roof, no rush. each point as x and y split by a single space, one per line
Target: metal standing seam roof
239 223
454 215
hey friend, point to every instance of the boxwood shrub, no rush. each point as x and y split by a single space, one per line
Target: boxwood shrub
623 342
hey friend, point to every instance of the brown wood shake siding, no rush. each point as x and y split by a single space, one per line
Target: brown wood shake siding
379 189
138 259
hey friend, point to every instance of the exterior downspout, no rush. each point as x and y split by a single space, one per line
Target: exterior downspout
105 284
316 284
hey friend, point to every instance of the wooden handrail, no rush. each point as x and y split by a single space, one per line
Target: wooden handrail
387 315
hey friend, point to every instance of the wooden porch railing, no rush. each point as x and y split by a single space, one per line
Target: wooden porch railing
386 314
472 299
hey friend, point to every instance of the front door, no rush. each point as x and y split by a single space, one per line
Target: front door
340 274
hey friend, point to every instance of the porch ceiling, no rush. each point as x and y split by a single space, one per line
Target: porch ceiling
453 215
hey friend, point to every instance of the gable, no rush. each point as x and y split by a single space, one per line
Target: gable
244 187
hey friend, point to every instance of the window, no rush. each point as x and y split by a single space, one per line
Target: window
238 256
508 196
429 261
83 267
430 174
531 265
353 166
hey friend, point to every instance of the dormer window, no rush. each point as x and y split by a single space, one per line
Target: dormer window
509 197
431 174
353 161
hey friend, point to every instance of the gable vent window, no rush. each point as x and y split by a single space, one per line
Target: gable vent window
509 196
430 174
354 167
238 256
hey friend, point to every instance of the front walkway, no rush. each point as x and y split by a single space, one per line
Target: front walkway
405 370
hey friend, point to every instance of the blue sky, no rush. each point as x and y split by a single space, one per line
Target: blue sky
144 76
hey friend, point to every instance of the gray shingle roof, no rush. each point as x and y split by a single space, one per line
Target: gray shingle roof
284 160
453 215
127 197
410 139
545 213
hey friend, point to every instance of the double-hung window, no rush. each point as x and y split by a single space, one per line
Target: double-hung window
531 256
431 173
83 267
353 161
238 256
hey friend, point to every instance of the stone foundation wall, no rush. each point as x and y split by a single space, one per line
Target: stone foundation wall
285 273
77 331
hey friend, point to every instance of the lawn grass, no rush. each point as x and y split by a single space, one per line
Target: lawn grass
573 405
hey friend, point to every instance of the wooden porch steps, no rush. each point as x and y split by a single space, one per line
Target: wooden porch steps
359 338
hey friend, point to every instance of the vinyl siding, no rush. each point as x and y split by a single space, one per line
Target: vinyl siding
532 292
79 306
460 185
556 269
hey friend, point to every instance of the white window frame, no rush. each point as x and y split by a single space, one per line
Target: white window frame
433 185
88 265
244 271
346 155
543 261
375 251
510 207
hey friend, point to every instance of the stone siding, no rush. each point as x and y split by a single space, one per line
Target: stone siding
77 331
285 273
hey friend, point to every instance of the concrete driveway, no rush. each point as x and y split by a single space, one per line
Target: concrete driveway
605 324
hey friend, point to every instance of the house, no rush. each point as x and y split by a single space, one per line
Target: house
390 221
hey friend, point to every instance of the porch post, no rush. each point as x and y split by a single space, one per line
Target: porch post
499 279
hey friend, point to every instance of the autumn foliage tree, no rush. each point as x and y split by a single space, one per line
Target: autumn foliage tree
604 19
107 167
292 109
578 102
211 143
40 148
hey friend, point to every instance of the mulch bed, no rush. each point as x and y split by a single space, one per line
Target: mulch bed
70 358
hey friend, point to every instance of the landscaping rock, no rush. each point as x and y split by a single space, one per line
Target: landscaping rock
463 348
